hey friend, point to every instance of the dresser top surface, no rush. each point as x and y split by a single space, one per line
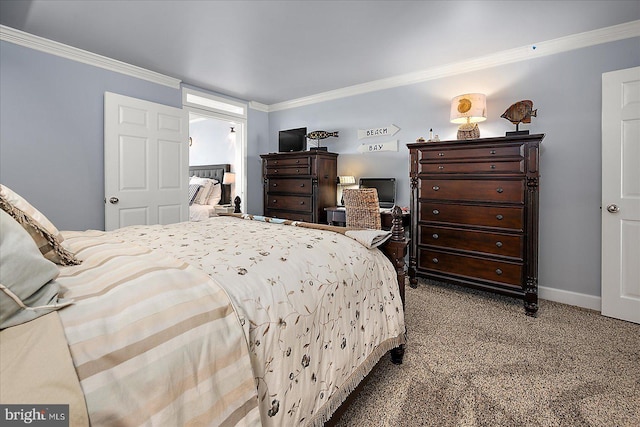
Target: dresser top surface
471 142
293 154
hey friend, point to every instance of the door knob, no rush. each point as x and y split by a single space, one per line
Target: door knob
613 208
114 200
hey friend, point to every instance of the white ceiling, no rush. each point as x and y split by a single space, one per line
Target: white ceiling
275 51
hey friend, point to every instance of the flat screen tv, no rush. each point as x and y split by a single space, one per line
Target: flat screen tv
386 189
292 140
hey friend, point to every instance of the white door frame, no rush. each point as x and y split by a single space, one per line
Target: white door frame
231 111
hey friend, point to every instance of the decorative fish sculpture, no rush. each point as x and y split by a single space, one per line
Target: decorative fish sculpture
520 112
321 134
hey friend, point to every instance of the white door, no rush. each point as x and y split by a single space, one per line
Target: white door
621 194
146 162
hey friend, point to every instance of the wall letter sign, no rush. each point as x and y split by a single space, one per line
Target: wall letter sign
379 146
385 131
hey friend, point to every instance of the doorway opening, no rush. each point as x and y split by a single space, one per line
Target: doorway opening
217 135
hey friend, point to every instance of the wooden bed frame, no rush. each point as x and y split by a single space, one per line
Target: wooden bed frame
396 249
214 172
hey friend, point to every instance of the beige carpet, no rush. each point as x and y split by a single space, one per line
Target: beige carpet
475 359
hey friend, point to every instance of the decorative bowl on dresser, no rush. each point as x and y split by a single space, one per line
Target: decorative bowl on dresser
475 214
299 185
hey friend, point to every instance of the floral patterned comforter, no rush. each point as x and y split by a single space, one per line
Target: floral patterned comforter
319 309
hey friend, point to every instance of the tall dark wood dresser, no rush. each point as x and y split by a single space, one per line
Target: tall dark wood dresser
476 214
299 185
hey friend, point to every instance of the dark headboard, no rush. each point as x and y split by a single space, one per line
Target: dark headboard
214 172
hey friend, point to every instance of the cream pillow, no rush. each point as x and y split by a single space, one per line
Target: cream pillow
215 194
44 233
27 288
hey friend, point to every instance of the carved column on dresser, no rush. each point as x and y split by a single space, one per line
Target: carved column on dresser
414 208
531 273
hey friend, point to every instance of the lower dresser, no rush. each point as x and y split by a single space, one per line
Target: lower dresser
476 221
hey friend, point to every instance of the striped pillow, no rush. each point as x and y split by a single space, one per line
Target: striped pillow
194 189
207 187
43 232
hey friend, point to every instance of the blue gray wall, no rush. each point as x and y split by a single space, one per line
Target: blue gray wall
51 137
566 90
257 143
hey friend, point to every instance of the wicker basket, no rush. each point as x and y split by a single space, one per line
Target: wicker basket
362 208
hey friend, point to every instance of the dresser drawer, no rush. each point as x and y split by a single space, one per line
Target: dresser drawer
294 185
289 171
507 245
294 203
281 162
486 216
502 166
462 152
506 191
293 216
508 273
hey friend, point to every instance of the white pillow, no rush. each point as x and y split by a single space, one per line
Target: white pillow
28 288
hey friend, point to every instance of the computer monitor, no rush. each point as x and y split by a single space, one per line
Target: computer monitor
386 189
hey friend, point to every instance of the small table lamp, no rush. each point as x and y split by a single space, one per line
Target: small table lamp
343 181
469 109
229 179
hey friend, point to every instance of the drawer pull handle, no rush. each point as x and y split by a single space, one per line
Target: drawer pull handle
499 217
275 184
498 271
435 260
297 161
275 201
302 185
440 167
275 171
492 152
499 244
297 170
441 154
499 190
435 188
492 166
436 211
435 236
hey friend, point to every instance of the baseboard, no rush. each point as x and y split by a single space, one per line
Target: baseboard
570 298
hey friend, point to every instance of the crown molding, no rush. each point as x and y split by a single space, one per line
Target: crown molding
255 105
21 38
536 50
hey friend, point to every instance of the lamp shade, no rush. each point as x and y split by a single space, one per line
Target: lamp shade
469 108
229 178
346 180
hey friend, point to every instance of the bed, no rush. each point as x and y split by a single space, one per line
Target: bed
235 320
202 208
